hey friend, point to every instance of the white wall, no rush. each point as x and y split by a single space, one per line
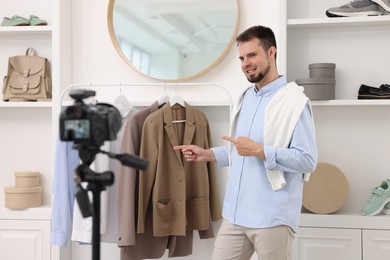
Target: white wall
96 60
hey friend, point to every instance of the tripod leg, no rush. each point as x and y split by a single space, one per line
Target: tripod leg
96 224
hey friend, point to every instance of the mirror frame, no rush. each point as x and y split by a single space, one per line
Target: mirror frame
114 40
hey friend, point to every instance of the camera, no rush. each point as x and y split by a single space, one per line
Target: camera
89 125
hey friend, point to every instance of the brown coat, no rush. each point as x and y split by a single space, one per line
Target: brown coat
183 194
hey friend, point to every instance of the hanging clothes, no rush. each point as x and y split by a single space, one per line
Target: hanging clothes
135 246
82 227
64 190
183 194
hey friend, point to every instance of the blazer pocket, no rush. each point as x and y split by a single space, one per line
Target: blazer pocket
164 209
198 213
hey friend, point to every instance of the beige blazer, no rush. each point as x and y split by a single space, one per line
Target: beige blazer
183 194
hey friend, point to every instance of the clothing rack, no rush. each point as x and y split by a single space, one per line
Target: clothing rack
96 191
175 86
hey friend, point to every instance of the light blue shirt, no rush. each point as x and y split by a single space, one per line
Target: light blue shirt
249 199
64 190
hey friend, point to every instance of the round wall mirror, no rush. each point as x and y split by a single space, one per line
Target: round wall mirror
173 40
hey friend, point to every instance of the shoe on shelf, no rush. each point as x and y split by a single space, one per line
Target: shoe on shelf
36 21
385 87
355 8
386 209
379 198
385 4
368 92
15 20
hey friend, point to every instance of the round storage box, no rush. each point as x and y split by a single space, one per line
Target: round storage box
23 197
326 191
318 88
322 70
27 179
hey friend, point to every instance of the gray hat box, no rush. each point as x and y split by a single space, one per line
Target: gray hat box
321 84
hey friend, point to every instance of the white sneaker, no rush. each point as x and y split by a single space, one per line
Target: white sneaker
385 4
386 209
356 8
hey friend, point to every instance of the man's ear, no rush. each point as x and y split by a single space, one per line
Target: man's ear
272 51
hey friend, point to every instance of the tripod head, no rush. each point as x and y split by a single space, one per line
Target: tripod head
98 181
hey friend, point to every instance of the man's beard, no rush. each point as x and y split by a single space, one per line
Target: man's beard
260 76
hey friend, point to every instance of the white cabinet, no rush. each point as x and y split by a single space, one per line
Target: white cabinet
327 243
341 243
25 234
376 244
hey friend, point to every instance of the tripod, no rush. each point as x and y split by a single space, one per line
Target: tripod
97 182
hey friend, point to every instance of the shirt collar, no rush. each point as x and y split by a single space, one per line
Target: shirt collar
270 87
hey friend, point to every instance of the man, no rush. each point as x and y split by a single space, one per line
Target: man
271 150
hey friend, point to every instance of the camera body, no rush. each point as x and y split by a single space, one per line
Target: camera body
89 125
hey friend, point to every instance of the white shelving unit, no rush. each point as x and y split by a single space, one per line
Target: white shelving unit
351 133
28 129
15 40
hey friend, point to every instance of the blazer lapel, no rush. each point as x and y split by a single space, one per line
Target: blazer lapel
189 129
169 129
190 125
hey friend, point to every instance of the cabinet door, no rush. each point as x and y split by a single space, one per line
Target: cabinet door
327 243
24 239
376 244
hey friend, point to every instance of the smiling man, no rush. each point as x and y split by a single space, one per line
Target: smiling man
271 150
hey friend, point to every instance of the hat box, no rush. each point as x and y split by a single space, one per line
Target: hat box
322 70
23 197
318 88
326 191
27 179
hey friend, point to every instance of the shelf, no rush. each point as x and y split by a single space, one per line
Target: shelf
345 220
7 30
347 102
26 104
337 22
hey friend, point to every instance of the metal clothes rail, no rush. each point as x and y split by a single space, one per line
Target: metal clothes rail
175 86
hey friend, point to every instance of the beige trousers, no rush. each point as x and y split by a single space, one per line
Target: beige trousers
239 243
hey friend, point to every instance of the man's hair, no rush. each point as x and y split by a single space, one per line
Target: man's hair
264 34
